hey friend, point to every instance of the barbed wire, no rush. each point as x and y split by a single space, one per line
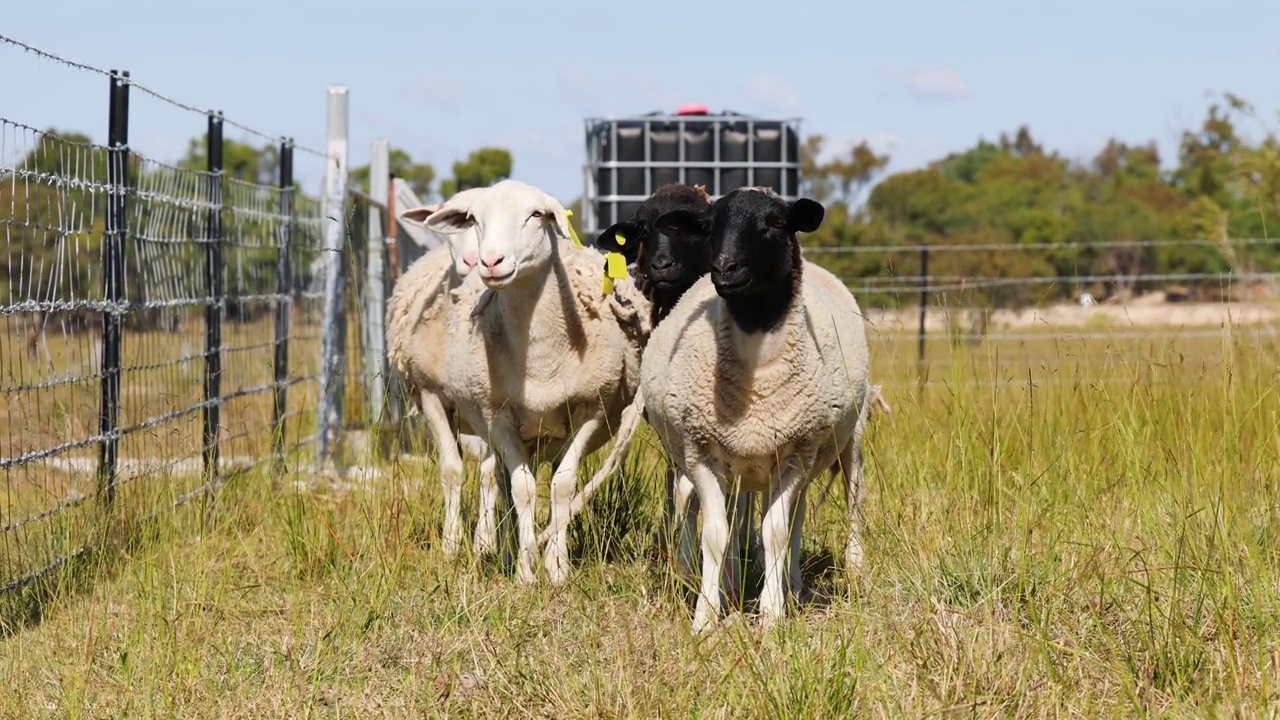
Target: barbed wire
44 54
988 247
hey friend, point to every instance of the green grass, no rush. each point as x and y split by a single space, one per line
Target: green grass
1062 526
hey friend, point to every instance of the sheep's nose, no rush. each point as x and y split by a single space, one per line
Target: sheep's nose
724 265
492 262
663 262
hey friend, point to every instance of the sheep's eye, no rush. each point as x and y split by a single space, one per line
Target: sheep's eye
537 213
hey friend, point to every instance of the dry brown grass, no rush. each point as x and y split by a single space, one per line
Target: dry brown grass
1057 527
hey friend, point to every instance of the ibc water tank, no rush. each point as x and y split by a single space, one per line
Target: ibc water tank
666 148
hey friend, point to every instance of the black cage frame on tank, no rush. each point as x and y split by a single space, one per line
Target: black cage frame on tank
630 157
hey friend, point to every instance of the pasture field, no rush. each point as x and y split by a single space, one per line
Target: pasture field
1067 525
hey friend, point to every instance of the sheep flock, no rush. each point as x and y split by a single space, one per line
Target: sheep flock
521 345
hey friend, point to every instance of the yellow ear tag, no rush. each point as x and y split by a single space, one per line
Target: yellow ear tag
573 234
615 265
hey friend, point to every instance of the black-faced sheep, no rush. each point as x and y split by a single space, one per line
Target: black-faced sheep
759 374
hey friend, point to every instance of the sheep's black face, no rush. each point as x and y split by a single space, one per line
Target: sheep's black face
676 261
670 259
756 256
753 240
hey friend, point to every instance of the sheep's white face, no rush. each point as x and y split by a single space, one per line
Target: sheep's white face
515 225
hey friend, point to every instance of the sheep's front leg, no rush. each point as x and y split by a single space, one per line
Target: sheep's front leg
683 516
715 539
739 537
486 535
795 584
450 462
563 482
776 534
524 491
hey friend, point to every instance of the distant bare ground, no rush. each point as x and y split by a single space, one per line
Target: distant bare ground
1134 314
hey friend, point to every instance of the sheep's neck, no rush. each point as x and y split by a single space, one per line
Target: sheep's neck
661 303
536 301
757 346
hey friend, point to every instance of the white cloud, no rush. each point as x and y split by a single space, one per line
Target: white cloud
433 89
773 92
931 85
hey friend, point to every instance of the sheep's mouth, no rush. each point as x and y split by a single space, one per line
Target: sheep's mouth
498 280
731 285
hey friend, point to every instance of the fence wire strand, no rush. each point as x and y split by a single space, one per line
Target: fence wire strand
173 102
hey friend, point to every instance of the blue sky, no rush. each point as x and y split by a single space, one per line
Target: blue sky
918 79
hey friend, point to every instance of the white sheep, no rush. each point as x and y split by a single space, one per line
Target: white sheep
541 359
759 373
417 324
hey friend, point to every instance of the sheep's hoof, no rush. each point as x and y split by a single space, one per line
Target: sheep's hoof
485 541
524 569
704 619
557 564
853 555
449 546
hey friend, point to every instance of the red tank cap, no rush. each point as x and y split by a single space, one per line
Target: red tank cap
692 109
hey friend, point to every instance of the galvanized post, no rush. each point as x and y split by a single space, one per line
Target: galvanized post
332 353
284 303
213 299
375 297
113 260
395 388
924 299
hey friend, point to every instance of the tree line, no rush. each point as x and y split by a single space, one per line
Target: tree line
1118 216
1055 217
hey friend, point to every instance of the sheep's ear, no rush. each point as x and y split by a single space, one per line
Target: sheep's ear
450 220
419 215
805 215
681 222
561 218
629 245
453 215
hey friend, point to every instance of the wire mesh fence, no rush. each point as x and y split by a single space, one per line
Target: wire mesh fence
161 334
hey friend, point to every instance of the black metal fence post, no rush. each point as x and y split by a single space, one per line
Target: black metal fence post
213 299
113 260
284 293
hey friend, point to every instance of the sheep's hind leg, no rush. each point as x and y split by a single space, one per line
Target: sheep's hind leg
855 491
563 482
450 462
485 539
